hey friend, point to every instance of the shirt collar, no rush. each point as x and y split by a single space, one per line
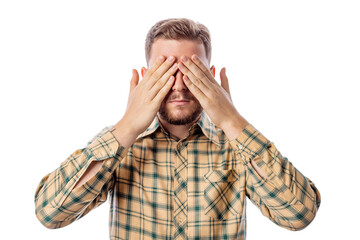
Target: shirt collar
207 127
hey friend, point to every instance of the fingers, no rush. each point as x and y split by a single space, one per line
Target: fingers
161 70
204 70
164 79
195 81
195 90
155 66
159 97
161 76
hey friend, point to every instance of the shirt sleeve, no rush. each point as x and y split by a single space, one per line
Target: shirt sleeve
285 196
57 204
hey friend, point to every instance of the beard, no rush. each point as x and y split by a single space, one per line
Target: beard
191 114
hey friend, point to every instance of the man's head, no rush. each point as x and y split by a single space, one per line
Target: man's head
178 37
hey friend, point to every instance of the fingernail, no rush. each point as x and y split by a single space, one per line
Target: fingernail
184 58
195 58
174 66
171 58
160 58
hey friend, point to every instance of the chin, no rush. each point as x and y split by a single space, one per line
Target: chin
178 115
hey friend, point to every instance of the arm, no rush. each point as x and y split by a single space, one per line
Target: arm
281 192
57 201
124 138
233 130
82 182
273 184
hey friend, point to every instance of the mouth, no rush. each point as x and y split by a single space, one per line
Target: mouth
180 102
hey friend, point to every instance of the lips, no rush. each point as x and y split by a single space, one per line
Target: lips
180 99
180 102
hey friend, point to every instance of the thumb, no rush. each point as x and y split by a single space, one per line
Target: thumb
134 79
133 83
225 81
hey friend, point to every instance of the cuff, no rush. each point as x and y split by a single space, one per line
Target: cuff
249 143
105 146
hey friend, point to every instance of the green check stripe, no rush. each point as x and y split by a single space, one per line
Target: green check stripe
160 189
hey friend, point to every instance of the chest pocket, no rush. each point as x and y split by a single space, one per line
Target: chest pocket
224 193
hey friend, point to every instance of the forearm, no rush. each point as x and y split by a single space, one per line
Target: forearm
273 184
233 129
124 136
93 168
285 195
58 202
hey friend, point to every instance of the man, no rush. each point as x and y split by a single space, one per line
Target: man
181 161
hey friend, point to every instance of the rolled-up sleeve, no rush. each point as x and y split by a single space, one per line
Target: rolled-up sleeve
57 203
285 196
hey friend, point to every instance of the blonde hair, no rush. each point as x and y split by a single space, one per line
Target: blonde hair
178 29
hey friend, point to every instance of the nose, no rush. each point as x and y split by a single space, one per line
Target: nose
179 84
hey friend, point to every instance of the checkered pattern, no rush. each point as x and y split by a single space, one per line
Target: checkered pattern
163 187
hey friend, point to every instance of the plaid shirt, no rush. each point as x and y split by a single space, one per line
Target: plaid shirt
163 187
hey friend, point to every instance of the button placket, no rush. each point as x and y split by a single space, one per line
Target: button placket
181 219
180 190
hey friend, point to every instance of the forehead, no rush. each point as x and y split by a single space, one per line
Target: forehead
177 48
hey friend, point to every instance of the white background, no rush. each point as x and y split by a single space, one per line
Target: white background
293 68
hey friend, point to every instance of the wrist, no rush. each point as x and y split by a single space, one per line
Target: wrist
234 127
127 128
124 134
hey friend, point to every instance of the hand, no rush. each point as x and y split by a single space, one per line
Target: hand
145 97
215 99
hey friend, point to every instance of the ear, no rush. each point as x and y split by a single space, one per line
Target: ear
143 71
212 70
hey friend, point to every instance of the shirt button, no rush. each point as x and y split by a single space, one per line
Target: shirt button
108 163
240 146
179 178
